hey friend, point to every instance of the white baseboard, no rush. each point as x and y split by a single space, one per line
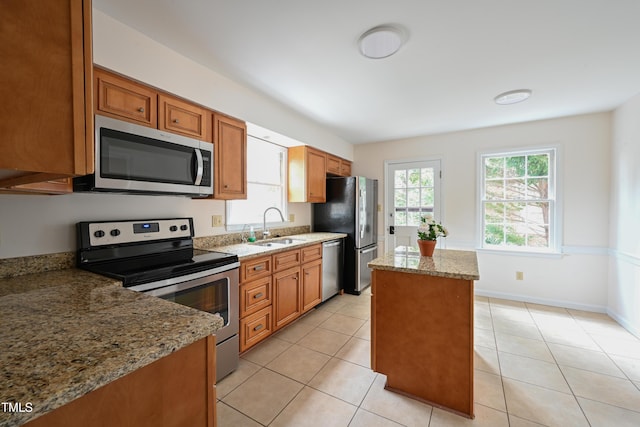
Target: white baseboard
543 301
634 329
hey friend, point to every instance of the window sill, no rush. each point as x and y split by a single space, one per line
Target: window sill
524 253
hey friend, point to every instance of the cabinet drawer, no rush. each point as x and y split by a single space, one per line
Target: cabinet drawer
310 253
255 295
124 99
255 328
255 268
178 116
284 260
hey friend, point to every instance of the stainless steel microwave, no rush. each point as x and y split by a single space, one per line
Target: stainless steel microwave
130 158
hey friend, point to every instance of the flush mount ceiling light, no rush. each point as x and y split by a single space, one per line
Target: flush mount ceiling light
380 42
512 97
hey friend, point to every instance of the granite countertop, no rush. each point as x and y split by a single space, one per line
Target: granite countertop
253 250
444 263
68 332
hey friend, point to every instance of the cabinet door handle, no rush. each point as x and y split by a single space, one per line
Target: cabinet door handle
257 328
258 268
176 121
141 110
258 295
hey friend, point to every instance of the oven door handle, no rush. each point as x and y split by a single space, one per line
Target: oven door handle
160 287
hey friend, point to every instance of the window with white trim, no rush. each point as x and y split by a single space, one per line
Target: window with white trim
266 185
518 200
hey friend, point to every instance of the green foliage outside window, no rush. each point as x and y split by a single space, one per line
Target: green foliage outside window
516 199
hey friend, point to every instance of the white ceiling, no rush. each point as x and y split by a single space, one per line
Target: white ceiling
577 56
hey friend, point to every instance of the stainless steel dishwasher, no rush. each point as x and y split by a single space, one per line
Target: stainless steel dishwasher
332 265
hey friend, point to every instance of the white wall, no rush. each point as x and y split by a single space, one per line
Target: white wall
127 51
32 225
624 277
576 279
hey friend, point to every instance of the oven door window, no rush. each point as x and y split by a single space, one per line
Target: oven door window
212 297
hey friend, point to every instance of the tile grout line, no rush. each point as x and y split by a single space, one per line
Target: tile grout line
558 366
495 341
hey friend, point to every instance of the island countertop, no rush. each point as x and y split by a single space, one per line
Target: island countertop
66 333
449 263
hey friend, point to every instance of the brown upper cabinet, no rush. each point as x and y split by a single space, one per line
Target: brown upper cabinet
333 164
230 158
345 167
124 99
337 166
46 91
119 97
308 169
307 174
178 116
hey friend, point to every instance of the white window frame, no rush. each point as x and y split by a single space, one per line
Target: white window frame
258 164
554 197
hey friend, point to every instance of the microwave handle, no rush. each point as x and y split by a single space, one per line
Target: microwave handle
199 167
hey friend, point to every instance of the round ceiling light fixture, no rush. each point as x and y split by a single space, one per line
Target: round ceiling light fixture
512 97
380 42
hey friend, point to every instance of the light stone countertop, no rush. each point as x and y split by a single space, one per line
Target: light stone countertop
68 332
247 251
444 263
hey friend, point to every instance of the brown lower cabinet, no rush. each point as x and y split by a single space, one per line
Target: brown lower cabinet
275 290
287 297
422 337
175 391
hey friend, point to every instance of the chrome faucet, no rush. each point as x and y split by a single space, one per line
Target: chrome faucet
265 232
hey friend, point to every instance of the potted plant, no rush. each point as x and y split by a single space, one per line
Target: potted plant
428 233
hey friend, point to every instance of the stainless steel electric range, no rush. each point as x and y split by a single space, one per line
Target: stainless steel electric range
157 257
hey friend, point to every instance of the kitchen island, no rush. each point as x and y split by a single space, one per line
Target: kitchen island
69 335
422 325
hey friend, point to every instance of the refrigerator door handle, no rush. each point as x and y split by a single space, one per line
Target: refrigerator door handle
366 251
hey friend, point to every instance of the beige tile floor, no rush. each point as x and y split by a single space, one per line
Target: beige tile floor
534 365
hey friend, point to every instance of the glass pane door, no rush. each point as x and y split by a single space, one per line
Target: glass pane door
413 190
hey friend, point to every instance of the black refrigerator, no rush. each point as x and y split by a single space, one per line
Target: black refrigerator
351 209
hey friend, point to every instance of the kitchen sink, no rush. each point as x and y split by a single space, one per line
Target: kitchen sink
279 242
287 241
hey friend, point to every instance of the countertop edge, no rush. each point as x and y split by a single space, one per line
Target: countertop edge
257 251
193 325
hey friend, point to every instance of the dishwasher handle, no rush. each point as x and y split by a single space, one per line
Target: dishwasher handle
331 244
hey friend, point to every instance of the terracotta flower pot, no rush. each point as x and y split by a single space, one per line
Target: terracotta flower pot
427 247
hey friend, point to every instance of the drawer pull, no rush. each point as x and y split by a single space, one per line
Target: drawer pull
258 268
176 121
141 110
257 328
258 295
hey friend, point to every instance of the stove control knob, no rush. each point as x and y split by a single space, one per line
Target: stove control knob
98 233
173 228
184 227
115 232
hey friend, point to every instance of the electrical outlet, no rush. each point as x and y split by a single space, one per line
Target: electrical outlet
216 220
519 275
292 218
